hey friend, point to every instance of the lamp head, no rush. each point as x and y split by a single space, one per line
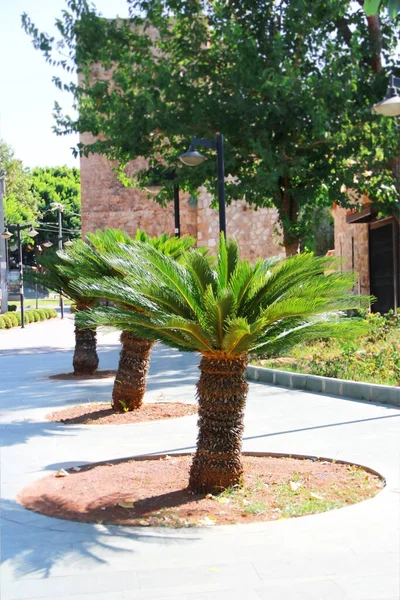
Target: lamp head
68 243
390 105
153 187
191 157
32 232
6 234
47 244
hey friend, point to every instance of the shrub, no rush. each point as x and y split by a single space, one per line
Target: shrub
2 323
36 315
46 312
12 318
11 307
53 313
42 314
7 321
19 318
28 317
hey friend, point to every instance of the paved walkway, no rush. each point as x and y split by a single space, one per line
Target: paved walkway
351 553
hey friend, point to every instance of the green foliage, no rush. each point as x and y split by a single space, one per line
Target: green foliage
12 307
12 318
7 321
373 357
20 202
57 185
231 309
43 313
36 315
372 7
19 318
2 322
292 96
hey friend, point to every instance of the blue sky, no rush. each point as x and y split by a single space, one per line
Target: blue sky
27 93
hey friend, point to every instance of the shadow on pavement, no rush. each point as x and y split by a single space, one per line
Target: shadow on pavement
35 544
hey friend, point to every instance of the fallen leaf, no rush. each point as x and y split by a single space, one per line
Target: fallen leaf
295 485
208 521
209 496
126 504
316 496
62 473
143 523
223 500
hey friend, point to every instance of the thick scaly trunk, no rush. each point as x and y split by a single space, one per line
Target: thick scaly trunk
221 392
130 381
85 359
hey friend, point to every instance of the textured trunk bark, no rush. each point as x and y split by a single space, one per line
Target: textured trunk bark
130 381
85 359
289 215
221 392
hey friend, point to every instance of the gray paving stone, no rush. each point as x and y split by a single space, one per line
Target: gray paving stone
303 590
346 553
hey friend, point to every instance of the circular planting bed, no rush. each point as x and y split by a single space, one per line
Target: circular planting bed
152 491
71 376
103 414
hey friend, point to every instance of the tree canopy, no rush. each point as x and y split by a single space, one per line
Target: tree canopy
289 84
59 185
20 203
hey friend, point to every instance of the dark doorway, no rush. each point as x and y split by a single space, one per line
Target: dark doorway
381 267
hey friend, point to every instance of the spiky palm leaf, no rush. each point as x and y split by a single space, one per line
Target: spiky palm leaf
93 261
224 313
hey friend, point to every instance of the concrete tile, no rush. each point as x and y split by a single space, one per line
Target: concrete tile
54 587
379 587
303 590
212 573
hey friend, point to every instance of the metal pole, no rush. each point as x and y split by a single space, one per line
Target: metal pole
21 276
3 251
59 208
221 182
176 210
395 264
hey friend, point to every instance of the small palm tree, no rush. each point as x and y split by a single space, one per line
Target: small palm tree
90 260
85 360
224 313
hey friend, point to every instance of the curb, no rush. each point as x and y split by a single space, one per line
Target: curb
369 392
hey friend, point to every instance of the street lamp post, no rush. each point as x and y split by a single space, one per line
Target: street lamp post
156 186
6 235
390 107
60 209
192 158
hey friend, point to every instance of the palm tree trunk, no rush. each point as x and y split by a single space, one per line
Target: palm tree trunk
85 359
221 392
130 381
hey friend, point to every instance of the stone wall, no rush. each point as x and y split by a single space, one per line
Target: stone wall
107 203
351 245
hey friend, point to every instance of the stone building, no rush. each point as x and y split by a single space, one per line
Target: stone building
369 245
107 203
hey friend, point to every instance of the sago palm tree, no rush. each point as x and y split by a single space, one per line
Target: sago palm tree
90 260
85 360
225 313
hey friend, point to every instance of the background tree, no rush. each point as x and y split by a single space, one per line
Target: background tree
61 185
290 85
21 204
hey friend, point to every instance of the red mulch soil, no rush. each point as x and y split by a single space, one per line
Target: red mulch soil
71 376
153 492
103 414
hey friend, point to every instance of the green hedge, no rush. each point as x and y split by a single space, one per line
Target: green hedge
13 319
